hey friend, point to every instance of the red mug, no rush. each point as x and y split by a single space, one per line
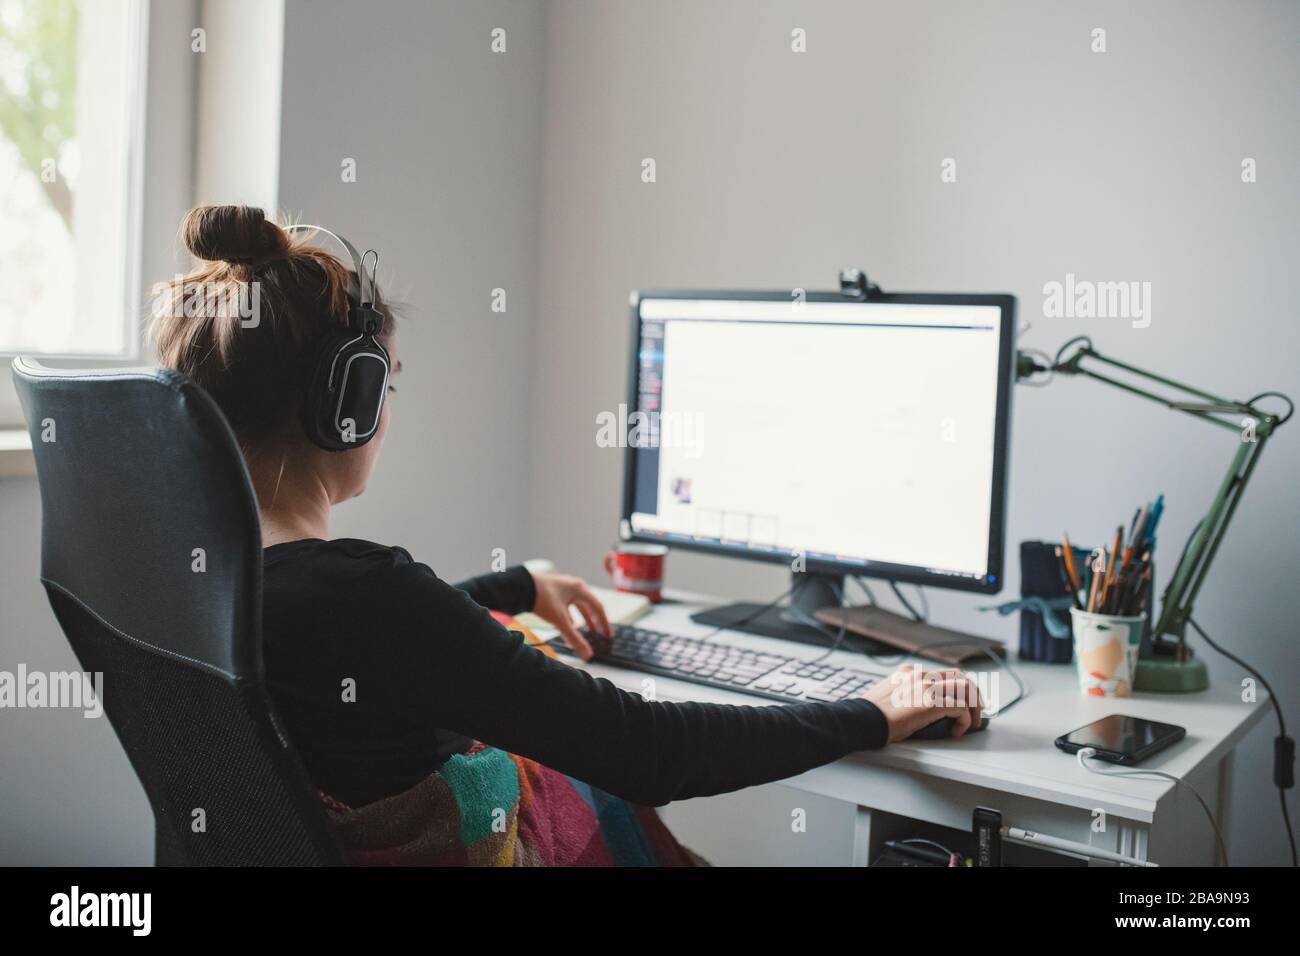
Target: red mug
638 569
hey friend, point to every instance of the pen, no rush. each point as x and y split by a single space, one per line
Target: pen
1140 530
1156 511
1068 552
1060 570
1110 568
1094 594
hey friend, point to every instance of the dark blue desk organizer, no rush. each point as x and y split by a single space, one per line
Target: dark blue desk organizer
1040 577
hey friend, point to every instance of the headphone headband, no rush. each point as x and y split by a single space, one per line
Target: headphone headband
358 261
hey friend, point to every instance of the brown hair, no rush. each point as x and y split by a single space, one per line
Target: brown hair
248 323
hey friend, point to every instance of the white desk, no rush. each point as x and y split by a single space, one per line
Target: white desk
1013 766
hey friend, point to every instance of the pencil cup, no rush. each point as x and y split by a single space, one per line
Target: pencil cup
1106 652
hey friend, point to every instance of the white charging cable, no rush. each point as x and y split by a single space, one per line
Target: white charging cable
1085 753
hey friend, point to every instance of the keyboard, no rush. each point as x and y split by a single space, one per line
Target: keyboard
774 676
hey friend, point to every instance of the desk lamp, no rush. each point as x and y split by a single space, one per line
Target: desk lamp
1169 665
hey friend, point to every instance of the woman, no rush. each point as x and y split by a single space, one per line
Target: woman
429 670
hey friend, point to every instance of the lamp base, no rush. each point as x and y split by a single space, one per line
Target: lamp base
1166 676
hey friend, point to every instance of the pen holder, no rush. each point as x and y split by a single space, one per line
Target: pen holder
1106 650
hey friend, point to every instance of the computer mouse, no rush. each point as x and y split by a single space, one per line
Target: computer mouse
941 729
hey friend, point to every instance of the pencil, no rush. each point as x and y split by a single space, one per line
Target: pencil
1070 571
1060 570
1143 584
1140 530
1110 568
1094 594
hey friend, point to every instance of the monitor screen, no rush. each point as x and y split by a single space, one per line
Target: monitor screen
866 437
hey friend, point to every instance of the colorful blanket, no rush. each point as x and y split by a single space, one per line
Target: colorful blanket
487 807
491 808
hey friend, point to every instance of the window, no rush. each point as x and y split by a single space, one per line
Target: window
71 135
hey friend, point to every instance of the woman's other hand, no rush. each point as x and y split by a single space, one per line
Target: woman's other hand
556 593
911 699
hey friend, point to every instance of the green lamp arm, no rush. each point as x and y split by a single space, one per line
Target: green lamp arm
1253 425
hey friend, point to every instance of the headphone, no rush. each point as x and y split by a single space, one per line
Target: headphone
345 395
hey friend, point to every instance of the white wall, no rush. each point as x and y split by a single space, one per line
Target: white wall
776 169
446 137
239 99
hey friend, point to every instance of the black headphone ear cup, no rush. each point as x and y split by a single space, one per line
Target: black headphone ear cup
345 397
315 402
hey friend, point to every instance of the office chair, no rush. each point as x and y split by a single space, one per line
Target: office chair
151 557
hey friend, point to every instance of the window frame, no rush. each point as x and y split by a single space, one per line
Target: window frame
139 94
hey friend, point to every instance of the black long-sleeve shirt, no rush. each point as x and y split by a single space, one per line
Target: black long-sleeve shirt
381 671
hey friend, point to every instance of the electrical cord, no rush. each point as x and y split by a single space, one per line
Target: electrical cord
1056 362
884 660
1290 405
866 588
931 843
810 621
1284 747
1086 753
749 617
893 586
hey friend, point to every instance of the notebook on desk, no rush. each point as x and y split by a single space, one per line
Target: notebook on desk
914 637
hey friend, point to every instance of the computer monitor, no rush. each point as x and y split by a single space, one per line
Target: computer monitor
834 435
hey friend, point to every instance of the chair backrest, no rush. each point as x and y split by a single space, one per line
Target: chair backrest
151 557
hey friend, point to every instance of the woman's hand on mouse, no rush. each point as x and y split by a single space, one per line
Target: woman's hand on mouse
556 593
911 698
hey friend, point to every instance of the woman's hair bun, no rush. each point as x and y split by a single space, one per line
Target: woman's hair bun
240 234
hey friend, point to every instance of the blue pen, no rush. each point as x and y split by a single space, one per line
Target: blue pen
1156 510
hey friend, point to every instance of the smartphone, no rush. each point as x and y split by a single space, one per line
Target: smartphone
1122 739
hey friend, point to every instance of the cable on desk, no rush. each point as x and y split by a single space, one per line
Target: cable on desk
922 841
907 604
817 625
1087 753
866 589
1284 747
882 659
730 625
